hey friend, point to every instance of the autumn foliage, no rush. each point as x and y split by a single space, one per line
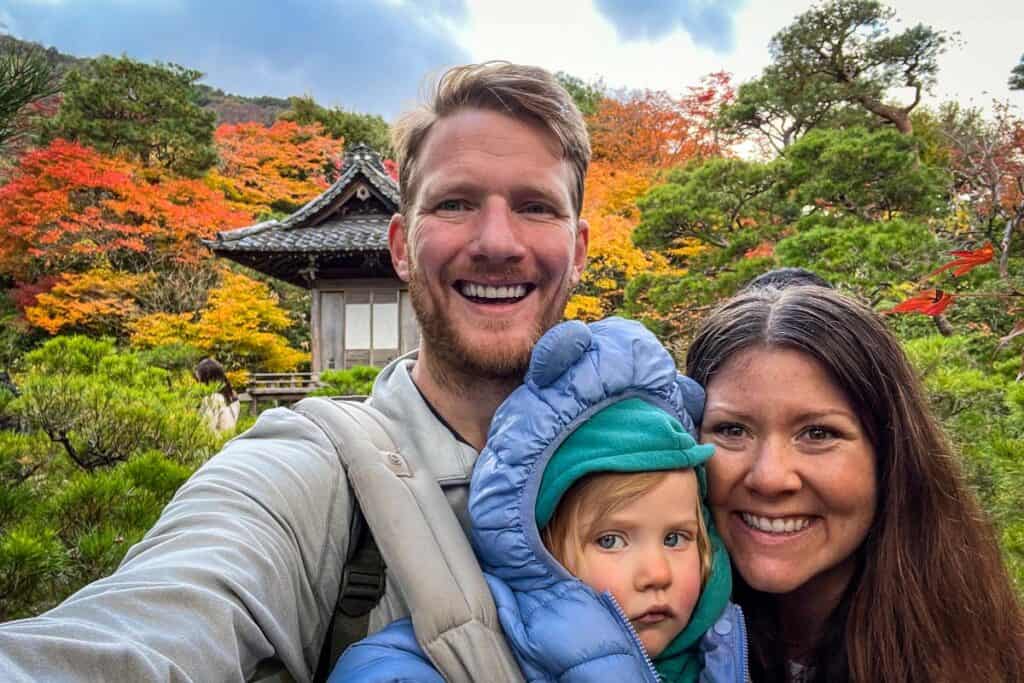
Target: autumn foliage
241 326
634 140
99 301
652 129
67 206
276 168
928 302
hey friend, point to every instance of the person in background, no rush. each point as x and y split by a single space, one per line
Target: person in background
221 408
859 552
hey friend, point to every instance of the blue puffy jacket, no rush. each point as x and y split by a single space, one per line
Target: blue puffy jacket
559 628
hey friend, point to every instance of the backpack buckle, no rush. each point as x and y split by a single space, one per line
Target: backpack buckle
361 589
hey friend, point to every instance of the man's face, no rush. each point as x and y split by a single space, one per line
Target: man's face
494 248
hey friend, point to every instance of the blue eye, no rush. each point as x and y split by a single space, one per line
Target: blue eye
610 542
536 208
675 539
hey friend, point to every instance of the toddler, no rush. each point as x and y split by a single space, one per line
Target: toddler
588 519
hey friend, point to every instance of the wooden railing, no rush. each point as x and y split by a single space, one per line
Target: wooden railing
279 387
284 381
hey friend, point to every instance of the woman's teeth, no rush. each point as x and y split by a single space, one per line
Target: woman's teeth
776 525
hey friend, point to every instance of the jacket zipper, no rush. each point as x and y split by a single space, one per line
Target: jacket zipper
743 645
610 600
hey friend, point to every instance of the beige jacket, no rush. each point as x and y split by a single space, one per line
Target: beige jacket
243 565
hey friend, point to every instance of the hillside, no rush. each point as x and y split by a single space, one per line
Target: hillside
228 107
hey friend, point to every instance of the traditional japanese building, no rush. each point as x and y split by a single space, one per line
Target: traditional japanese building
336 246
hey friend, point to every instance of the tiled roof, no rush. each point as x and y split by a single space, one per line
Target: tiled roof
319 226
360 160
344 234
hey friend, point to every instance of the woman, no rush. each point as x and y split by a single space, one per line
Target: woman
859 552
221 408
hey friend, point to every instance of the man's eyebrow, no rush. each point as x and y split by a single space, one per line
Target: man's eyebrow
456 185
446 186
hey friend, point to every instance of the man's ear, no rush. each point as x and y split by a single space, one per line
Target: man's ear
398 243
579 257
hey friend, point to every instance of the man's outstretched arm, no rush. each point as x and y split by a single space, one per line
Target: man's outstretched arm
244 564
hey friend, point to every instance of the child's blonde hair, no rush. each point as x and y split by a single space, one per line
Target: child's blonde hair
604 493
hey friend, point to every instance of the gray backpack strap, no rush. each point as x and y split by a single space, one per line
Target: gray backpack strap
422 543
362 587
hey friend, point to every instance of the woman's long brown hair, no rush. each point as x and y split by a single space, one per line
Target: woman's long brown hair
931 599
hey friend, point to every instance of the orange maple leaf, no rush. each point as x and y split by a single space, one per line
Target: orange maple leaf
929 302
966 261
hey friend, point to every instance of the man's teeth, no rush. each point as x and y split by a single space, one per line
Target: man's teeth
776 525
489 292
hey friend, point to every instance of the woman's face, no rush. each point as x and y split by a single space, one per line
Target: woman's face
792 482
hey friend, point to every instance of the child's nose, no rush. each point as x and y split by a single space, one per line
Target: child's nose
654 571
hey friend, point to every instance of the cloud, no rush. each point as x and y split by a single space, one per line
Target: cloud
368 56
708 22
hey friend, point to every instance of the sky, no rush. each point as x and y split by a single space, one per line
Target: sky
375 55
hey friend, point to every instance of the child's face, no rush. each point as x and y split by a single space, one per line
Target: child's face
645 554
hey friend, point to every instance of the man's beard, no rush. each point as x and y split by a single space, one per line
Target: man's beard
458 361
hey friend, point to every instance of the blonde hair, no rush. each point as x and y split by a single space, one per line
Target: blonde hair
523 92
604 493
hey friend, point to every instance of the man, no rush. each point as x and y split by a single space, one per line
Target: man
245 563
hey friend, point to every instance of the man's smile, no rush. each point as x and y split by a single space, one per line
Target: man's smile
487 293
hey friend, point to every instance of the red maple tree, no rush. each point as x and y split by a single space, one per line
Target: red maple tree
67 207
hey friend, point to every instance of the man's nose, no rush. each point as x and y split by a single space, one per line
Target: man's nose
773 470
497 237
654 570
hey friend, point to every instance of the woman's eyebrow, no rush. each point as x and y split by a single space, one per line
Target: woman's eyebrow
726 409
812 415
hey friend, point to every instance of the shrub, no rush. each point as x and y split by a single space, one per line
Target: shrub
31 561
112 435
355 381
102 406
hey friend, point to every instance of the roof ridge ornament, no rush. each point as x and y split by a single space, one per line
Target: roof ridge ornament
362 153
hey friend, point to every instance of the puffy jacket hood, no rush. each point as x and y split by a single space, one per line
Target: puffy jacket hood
575 371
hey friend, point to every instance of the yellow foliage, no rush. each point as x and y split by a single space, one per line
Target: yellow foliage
610 208
160 329
239 377
688 246
584 307
98 300
959 220
239 327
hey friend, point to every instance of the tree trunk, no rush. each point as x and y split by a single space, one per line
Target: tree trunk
1004 246
943 325
898 117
